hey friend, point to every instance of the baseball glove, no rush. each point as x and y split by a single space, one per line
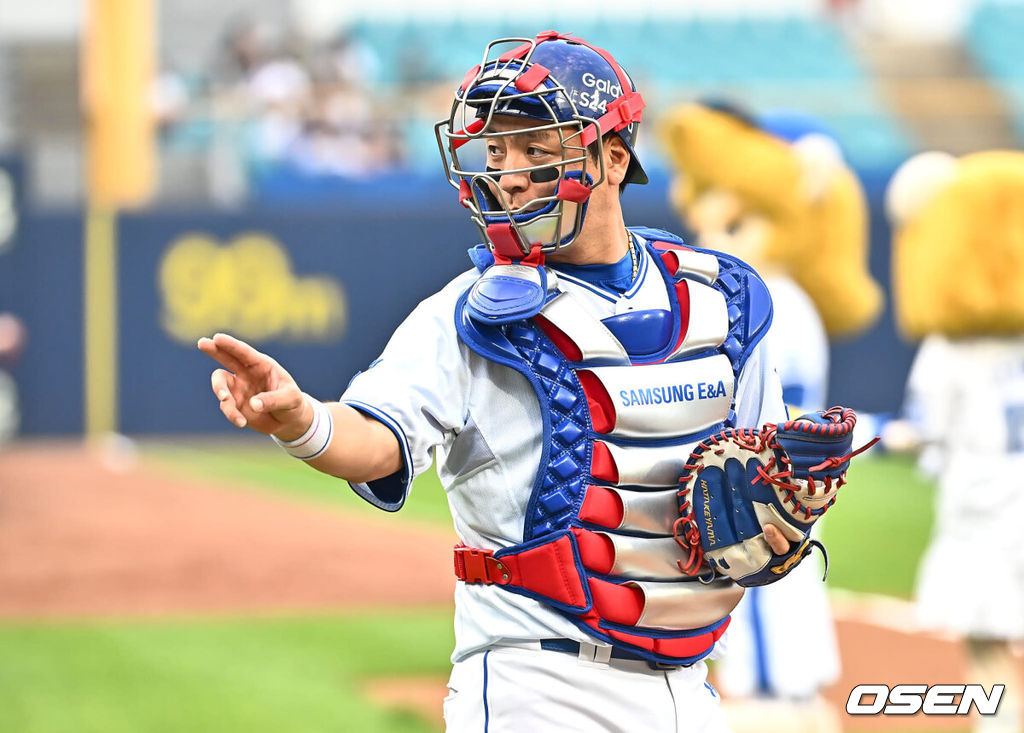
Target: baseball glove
737 481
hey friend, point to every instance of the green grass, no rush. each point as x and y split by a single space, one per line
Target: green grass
264 466
256 676
306 674
875 534
879 527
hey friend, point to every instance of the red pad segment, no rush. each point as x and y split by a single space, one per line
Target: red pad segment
691 646
671 260
602 409
603 466
569 189
470 76
596 551
620 604
641 641
505 240
671 245
559 338
683 296
515 53
602 506
532 78
549 570
688 647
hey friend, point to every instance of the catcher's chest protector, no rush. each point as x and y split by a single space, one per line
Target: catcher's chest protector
623 402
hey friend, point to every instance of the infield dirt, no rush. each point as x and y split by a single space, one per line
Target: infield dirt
82 537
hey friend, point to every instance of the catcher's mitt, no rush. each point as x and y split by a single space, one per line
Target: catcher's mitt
739 480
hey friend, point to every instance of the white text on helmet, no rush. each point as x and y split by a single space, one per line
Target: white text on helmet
605 86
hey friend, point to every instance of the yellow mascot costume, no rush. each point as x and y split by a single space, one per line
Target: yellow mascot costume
778 195
804 205
958 284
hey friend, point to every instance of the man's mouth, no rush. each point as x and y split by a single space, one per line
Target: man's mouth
518 208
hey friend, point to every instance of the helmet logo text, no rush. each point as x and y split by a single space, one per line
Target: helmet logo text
605 86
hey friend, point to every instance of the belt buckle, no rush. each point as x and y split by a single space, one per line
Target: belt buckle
480 566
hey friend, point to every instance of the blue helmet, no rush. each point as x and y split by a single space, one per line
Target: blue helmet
571 87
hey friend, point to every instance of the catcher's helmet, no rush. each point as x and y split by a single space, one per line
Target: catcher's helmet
572 88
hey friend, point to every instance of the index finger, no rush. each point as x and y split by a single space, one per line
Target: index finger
210 348
237 349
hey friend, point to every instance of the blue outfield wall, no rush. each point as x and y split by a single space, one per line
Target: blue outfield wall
41 283
319 284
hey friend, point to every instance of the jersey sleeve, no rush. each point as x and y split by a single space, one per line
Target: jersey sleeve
418 388
803 370
759 391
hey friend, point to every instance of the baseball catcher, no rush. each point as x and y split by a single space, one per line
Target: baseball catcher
562 384
737 481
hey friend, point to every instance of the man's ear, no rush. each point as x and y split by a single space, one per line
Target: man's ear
616 159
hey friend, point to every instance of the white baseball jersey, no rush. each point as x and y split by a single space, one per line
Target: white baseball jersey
798 344
481 421
758 655
967 399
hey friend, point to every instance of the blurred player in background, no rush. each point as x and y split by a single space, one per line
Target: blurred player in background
776 192
12 342
529 378
958 281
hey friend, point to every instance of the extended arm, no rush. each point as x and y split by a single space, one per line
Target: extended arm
256 392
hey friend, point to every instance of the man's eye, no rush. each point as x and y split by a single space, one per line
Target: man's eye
493 150
536 151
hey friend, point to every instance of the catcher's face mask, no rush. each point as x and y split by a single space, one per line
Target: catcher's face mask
513 117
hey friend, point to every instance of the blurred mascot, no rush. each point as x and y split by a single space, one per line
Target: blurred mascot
958 284
776 192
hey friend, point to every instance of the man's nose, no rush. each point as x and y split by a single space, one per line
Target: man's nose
513 183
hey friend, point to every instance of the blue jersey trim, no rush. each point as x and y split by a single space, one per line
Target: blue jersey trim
386 493
487 710
609 295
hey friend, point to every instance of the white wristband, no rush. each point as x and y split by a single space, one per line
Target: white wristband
315 440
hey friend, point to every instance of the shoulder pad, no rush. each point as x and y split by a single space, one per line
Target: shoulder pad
656 236
506 293
748 300
486 339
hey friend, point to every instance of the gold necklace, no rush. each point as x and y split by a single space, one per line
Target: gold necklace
632 255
